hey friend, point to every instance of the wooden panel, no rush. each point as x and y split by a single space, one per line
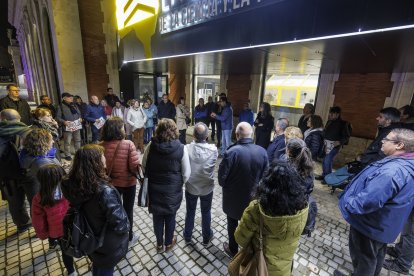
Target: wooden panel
176 84
238 88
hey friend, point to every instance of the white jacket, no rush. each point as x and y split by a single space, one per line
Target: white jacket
136 118
203 158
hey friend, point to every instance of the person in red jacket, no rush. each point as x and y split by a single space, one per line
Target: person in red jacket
122 163
49 208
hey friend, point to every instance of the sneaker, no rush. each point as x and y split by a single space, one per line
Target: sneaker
160 248
73 274
227 251
68 158
188 241
319 177
23 228
392 252
394 266
133 241
207 242
170 247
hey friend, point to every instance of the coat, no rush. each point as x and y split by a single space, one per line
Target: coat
280 236
182 112
240 171
314 141
124 165
64 113
246 116
203 158
276 148
48 220
94 112
226 117
380 198
136 118
264 131
166 110
20 106
167 167
201 114
150 113
103 206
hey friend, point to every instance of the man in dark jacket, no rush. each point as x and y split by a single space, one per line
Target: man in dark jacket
13 101
308 110
278 146
388 119
46 102
226 119
407 116
94 113
243 165
11 132
378 202
110 97
166 108
211 107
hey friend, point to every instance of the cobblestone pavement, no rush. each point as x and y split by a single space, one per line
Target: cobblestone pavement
320 254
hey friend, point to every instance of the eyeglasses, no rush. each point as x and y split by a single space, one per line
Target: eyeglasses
389 140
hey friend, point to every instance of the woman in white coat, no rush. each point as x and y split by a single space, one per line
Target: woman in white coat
182 112
136 118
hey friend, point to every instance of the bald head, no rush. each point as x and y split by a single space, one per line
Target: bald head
200 132
10 115
244 130
94 99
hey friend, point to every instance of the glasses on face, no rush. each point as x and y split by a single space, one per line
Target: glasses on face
15 90
389 140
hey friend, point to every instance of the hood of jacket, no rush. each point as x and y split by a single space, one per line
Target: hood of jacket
10 129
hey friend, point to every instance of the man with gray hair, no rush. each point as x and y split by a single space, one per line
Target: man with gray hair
277 147
203 158
240 171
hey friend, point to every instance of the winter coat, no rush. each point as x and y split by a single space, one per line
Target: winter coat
380 198
136 118
167 167
263 132
95 111
240 171
201 114
48 126
150 117
65 114
280 236
203 158
111 99
124 164
226 117
166 110
182 112
303 123
20 106
314 141
246 116
118 112
103 206
48 220
276 148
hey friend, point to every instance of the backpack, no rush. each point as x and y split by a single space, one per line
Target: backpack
9 161
78 237
348 132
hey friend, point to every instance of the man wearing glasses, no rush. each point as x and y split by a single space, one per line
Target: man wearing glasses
13 101
378 202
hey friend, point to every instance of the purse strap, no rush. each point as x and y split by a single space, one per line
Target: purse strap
113 159
260 232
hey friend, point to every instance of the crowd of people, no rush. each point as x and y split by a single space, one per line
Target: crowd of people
267 184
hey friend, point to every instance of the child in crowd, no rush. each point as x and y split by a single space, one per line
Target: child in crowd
49 208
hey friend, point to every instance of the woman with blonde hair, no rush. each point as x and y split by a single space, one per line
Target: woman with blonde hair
42 118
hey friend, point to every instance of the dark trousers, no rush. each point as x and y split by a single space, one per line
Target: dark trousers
218 129
100 271
128 198
95 133
405 247
213 128
367 255
67 260
182 136
191 205
84 134
15 194
161 222
231 228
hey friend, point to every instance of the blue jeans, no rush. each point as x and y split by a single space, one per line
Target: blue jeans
405 247
225 140
328 160
161 221
191 205
100 271
95 133
148 134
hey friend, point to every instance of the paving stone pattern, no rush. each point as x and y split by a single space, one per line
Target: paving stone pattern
320 254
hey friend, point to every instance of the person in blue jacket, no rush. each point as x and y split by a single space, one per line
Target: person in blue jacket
201 112
378 202
246 115
93 113
226 119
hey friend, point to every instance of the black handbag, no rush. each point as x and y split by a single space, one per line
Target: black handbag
187 120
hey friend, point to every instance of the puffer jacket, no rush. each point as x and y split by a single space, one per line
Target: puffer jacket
48 220
124 165
280 236
103 206
380 198
203 158
314 141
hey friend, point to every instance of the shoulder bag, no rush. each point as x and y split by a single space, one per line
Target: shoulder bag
143 196
247 262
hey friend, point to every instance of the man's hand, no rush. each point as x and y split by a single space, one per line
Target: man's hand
213 115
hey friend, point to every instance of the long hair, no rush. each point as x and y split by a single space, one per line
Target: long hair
281 191
37 142
113 129
87 172
49 177
266 109
300 156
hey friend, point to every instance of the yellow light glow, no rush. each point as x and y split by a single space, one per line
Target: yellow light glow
130 12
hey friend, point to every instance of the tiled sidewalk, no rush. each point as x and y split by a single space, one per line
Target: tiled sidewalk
320 254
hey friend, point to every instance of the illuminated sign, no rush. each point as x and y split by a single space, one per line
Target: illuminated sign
140 16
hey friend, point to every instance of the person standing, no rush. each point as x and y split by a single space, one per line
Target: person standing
128 131
166 108
46 102
211 107
240 171
246 115
203 157
182 113
378 202
68 113
118 110
313 136
94 114
110 97
264 125
42 118
226 119
83 107
13 101
278 146
107 108
167 167
201 112
149 124
136 118
308 110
